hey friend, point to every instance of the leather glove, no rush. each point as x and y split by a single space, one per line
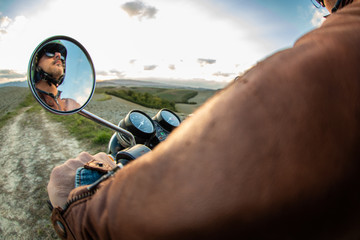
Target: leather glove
62 178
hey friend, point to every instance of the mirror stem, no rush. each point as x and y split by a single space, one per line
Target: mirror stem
105 123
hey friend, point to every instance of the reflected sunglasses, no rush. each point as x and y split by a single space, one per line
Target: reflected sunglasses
52 54
320 3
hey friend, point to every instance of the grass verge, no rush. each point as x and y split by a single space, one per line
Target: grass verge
29 101
95 136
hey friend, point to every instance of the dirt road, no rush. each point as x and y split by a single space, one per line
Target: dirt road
30 146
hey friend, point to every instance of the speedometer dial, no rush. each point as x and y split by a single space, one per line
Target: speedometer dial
141 122
170 118
167 119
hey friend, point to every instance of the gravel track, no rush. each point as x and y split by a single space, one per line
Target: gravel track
30 146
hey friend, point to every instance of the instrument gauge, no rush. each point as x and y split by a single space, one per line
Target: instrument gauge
167 119
141 122
170 118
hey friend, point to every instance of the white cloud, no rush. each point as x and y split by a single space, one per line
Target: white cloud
318 17
172 35
4 22
150 67
140 9
16 44
204 62
11 76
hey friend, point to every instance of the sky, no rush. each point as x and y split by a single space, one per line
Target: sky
213 40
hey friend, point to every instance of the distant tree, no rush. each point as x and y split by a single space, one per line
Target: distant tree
144 99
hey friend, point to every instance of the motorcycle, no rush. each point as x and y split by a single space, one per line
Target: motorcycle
135 135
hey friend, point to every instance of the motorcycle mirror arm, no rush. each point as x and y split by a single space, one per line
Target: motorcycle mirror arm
110 125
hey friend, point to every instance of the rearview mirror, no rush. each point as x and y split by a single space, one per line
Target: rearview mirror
61 75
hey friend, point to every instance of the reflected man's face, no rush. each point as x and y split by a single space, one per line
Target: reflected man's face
52 65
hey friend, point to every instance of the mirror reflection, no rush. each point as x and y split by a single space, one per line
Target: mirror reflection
62 76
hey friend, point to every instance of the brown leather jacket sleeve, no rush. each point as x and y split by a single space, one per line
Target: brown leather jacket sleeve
70 104
275 155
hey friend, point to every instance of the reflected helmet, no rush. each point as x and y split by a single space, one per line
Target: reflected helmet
51 47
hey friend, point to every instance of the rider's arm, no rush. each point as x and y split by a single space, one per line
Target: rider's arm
274 155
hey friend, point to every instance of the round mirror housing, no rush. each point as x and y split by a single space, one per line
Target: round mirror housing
61 75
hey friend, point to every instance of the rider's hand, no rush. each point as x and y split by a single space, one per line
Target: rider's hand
62 178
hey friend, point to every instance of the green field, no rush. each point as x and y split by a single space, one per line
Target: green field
159 97
197 101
